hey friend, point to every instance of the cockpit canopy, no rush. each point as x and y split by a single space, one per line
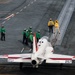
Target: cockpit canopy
42 41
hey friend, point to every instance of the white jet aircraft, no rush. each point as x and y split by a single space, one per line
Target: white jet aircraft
42 51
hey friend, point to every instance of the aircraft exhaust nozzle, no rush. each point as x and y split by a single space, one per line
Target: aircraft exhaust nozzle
34 62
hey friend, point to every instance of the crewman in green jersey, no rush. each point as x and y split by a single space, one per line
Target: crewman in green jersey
31 39
2 30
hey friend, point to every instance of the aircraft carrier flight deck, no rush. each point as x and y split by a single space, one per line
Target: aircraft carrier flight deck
16 15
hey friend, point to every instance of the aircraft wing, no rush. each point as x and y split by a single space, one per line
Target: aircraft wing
58 58
17 57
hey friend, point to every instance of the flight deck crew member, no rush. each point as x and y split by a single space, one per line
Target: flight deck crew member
38 36
30 30
50 25
3 33
31 39
24 36
56 27
27 37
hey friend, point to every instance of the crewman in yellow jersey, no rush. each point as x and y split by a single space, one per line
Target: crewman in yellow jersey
50 25
56 27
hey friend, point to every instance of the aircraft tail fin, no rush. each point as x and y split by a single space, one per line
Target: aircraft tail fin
34 43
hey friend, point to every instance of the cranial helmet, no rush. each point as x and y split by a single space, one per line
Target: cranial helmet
50 19
30 27
39 31
2 26
24 28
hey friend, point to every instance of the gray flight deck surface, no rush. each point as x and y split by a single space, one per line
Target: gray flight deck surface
68 43
37 15
69 39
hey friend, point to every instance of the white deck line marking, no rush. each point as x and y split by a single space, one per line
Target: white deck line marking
25 7
28 5
34 0
12 15
21 10
3 22
17 13
9 16
31 2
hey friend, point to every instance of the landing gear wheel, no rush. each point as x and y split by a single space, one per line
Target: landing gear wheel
21 66
61 66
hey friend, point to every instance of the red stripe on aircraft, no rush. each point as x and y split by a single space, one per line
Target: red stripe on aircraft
14 57
17 58
73 56
26 58
61 58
